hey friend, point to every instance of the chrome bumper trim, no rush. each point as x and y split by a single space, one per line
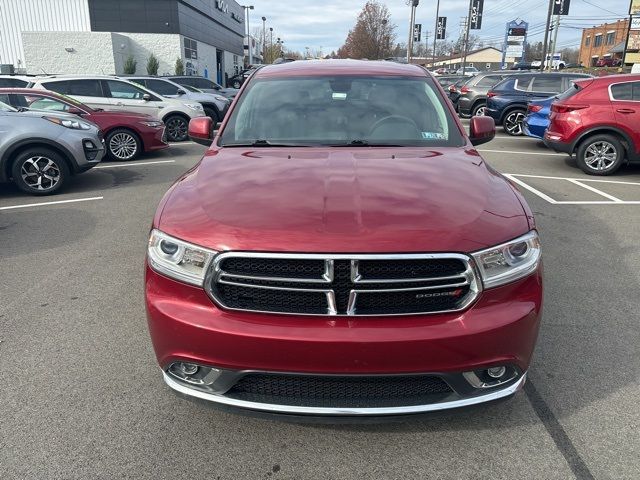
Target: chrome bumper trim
319 411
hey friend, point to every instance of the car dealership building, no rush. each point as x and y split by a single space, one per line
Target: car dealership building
97 36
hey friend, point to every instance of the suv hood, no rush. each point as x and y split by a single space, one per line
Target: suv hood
203 97
343 200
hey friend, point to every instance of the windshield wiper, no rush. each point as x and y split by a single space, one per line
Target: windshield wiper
364 143
265 143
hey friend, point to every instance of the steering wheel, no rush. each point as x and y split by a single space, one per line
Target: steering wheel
397 119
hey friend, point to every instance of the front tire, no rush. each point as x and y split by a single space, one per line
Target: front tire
177 128
40 171
123 145
512 123
600 155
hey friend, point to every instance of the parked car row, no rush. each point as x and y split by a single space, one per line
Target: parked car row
594 119
88 117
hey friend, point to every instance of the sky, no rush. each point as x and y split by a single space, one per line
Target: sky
325 23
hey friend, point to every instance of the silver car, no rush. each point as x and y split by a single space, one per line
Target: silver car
40 151
215 105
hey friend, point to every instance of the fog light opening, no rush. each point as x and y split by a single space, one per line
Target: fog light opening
496 372
194 374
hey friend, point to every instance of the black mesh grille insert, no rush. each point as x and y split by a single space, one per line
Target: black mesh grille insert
274 267
410 269
410 301
249 298
340 391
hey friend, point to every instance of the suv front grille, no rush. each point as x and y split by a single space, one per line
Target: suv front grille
340 391
314 284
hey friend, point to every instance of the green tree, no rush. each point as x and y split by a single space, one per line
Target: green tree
153 65
179 66
130 65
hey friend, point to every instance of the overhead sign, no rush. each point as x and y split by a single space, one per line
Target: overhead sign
561 7
515 37
476 14
417 32
516 32
441 30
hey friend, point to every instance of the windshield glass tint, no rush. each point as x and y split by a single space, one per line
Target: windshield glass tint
342 110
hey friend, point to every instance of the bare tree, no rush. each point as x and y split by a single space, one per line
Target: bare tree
372 36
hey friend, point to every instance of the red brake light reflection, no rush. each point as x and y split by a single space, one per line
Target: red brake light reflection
534 108
566 108
491 94
464 89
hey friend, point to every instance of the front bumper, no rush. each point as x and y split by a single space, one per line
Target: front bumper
499 329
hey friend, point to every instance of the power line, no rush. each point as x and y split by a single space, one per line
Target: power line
601 8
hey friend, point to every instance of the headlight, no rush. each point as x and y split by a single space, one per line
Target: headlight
195 106
177 259
74 124
510 261
153 124
220 98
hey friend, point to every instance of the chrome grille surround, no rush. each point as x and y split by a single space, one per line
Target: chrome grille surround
468 278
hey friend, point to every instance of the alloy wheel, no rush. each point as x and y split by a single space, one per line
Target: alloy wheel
123 146
480 111
40 173
600 155
177 129
513 123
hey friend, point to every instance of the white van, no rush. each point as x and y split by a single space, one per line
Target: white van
114 93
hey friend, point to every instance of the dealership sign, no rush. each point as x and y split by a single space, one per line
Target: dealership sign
515 36
441 30
476 14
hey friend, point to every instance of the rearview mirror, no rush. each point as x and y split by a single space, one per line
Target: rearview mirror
181 92
146 97
201 130
481 130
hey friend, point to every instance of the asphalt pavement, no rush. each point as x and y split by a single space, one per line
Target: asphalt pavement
82 396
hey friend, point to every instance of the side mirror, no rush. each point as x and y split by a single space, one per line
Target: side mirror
181 92
75 111
146 97
481 130
201 130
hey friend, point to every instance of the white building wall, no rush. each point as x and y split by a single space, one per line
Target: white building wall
17 16
45 52
207 60
165 46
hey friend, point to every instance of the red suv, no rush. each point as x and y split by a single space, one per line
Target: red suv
343 249
597 120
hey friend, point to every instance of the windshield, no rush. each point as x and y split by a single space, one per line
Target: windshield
342 110
6 108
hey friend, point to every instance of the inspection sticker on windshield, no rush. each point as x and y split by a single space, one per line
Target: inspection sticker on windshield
433 135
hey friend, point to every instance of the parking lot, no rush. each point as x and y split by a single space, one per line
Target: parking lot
83 397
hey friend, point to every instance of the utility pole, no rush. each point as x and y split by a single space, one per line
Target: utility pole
435 34
545 45
412 22
264 39
466 37
555 39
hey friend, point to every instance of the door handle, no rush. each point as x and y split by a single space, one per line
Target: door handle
625 110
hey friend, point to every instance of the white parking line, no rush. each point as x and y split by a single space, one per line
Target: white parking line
57 202
134 164
580 182
517 152
595 190
544 196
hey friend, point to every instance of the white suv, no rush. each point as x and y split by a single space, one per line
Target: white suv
114 93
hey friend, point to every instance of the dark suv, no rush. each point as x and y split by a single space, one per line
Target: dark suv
507 101
473 94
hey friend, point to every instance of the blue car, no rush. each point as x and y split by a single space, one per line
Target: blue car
537 119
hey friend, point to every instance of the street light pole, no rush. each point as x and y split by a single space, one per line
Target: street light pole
412 22
246 15
466 38
271 46
264 39
435 35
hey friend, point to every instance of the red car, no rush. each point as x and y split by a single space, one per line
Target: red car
127 134
598 119
350 253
